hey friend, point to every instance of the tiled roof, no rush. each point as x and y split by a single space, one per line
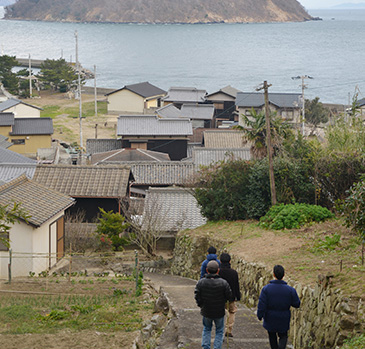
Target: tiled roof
150 125
40 203
223 139
208 156
10 157
144 89
173 209
162 173
185 94
4 142
360 102
6 119
228 90
8 172
85 181
12 102
168 111
32 126
126 155
281 100
195 111
102 145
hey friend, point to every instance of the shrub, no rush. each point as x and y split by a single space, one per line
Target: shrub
294 216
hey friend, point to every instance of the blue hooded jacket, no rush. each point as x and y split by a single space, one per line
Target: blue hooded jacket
210 257
275 301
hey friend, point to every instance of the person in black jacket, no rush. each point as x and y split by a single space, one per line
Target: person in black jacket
231 276
275 301
211 294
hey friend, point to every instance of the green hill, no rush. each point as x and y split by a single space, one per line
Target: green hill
159 11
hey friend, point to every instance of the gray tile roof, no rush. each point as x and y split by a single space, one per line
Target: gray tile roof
281 100
150 125
6 119
208 156
4 142
172 209
228 90
144 89
360 102
168 111
162 173
185 94
223 139
102 145
127 155
40 203
197 111
32 126
8 172
10 157
12 102
85 181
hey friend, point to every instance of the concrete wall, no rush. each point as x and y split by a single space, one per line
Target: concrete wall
125 101
24 111
326 317
31 143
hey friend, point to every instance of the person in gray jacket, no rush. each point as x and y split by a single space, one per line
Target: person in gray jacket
211 294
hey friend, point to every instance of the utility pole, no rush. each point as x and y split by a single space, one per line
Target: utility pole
79 88
304 86
95 93
30 79
268 142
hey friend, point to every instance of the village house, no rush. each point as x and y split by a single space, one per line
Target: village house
224 139
180 95
20 109
224 104
286 105
39 243
141 98
149 132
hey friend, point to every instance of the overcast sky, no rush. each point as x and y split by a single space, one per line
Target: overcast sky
308 4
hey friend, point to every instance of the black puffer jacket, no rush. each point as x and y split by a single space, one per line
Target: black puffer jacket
231 276
211 294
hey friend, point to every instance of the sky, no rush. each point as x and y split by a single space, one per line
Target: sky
311 4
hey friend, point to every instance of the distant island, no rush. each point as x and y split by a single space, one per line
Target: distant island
159 11
350 6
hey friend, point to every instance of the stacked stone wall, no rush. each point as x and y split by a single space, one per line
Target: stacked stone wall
326 317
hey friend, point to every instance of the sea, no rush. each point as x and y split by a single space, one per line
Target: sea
208 56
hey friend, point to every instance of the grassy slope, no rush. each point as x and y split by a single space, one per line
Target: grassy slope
305 253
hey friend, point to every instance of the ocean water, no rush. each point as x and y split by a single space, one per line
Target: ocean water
209 56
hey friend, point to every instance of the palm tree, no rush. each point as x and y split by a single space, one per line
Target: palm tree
254 131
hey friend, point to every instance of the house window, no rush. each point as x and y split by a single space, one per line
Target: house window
3 247
18 141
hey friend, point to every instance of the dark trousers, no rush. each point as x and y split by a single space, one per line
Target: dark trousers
273 338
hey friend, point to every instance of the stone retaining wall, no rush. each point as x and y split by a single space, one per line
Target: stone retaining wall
325 317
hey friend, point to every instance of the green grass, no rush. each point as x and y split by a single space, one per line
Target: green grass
355 343
88 110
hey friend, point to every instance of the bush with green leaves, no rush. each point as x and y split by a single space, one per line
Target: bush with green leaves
112 225
293 216
357 342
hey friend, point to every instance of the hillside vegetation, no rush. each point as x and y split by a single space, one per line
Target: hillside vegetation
159 11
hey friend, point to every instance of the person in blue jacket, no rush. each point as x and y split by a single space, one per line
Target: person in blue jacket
212 256
275 301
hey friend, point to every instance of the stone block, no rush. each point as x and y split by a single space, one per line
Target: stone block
347 322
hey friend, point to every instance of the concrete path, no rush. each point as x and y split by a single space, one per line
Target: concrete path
185 330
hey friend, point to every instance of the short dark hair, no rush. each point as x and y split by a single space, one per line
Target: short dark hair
279 271
225 257
212 250
212 267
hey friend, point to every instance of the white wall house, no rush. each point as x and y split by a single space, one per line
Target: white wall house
20 109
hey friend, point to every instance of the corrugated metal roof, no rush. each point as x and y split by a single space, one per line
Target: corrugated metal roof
102 145
12 102
85 181
144 89
128 155
208 156
150 125
173 209
162 173
223 139
281 100
197 111
10 157
32 126
39 202
8 172
168 111
6 119
4 142
185 94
